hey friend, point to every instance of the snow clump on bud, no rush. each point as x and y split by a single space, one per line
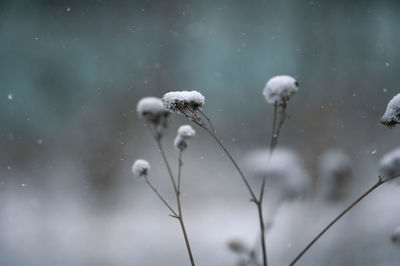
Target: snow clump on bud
140 168
182 101
280 89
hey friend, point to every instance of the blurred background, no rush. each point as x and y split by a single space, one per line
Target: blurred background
72 72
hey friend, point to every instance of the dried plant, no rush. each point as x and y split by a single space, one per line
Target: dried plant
152 110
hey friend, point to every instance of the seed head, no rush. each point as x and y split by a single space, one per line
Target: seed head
390 164
182 101
391 117
140 168
280 89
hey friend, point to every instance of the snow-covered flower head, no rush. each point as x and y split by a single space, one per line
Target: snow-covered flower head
390 164
391 117
280 89
396 236
140 168
181 101
285 173
335 170
152 110
185 132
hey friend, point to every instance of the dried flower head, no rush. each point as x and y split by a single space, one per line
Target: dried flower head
285 173
185 132
182 101
396 236
280 89
336 170
152 110
391 117
140 168
390 164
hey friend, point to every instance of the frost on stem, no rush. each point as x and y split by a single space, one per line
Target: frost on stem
286 176
335 171
182 101
390 164
152 110
391 117
396 236
280 89
185 132
140 168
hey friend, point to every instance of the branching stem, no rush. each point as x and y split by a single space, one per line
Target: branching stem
378 184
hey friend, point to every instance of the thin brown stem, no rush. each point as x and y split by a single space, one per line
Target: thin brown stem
175 215
379 183
262 227
253 196
177 194
180 163
271 145
209 121
184 232
171 176
178 200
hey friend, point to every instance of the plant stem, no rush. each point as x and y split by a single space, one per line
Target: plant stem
262 227
379 183
180 163
253 196
178 200
177 194
171 176
161 197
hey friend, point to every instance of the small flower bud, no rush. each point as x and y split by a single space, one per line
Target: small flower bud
280 89
140 168
391 117
390 164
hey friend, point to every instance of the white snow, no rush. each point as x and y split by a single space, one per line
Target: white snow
152 110
391 117
280 89
335 171
10 96
396 236
140 167
186 132
177 101
390 164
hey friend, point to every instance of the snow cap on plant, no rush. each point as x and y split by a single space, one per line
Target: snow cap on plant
285 173
390 164
391 117
182 101
396 236
140 168
152 110
185 132
280 89
335 170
